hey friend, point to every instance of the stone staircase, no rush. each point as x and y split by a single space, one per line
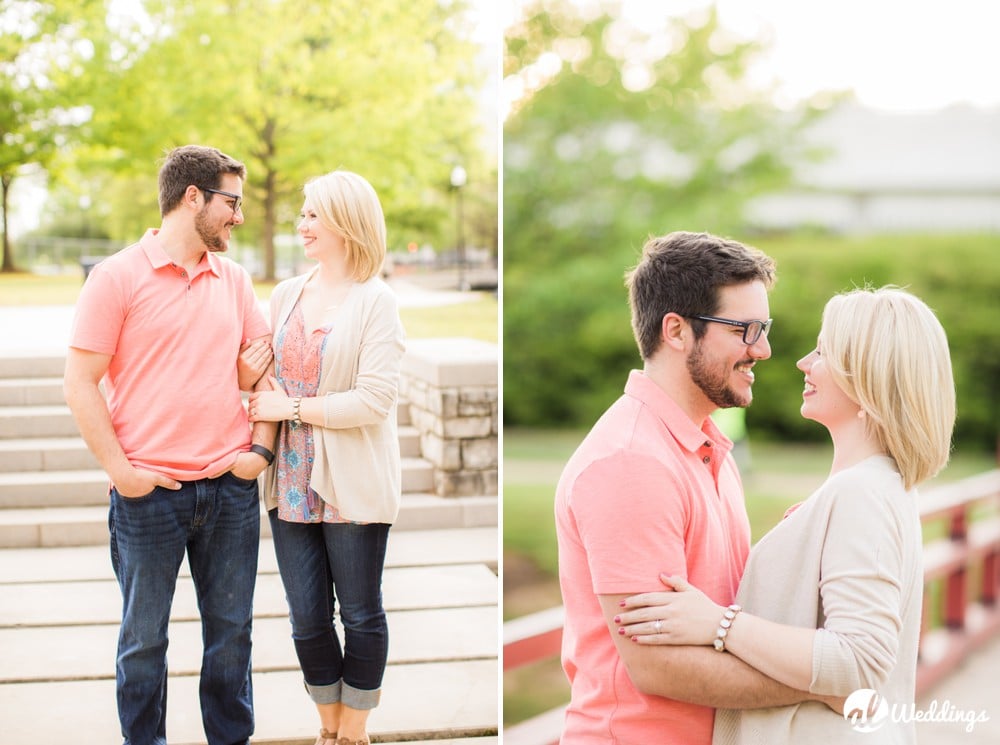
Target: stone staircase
60 605
54 493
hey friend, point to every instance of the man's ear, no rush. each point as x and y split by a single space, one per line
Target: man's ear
191 196
674 331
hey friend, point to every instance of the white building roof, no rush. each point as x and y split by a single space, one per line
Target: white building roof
953 149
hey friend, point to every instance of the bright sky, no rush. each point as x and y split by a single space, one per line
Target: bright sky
900 55
487 33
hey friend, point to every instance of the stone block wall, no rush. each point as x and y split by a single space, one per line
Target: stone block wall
451 385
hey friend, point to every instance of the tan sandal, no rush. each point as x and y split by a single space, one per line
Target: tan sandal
326 738
345 741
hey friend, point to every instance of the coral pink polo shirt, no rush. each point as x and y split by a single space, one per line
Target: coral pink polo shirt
171 385
647 492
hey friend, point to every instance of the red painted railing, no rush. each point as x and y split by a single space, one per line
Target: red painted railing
961 577
961 597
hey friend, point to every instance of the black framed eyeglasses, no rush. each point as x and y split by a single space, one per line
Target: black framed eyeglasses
237 199
752 330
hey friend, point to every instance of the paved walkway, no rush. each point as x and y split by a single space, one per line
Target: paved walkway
973 688
43 329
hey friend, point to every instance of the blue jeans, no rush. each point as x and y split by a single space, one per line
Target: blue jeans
320 564
217 521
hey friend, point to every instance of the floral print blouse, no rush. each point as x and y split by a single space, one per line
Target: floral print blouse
298 361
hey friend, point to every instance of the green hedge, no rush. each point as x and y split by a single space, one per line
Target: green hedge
958 276
568 344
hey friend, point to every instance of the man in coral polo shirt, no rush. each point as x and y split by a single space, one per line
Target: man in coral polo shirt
654 489
162 323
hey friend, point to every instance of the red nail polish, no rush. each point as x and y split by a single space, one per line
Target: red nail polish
621 604
621 631
618 619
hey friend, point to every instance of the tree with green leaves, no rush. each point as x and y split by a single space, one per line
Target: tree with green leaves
620 133
294 89
40 56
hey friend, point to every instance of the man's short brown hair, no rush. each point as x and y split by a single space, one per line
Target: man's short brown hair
197 165
682 273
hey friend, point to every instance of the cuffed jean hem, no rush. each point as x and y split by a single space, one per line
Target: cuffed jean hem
328 694
357 698
341 692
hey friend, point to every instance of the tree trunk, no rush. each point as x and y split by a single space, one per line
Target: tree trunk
270 197
267 234
8 255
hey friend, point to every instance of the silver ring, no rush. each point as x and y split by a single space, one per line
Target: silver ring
658 625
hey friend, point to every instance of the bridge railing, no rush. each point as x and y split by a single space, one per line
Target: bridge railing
961 574
961 593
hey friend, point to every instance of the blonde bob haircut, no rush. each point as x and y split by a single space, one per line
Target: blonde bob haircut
347 204
888 352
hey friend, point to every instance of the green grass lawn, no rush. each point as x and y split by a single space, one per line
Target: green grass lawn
476 319
22 288
779 475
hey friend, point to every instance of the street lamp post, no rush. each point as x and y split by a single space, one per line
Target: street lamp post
458 179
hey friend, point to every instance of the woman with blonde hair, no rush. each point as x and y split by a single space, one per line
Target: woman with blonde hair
333 489
830 600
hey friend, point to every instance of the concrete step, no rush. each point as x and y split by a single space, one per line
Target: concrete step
88 652
425 701
36 421
36 380
409 441
32 366
46 454
81 488
31 392
50 527
99 601
71 453
58 629
25 421
407 548
425 511
31 489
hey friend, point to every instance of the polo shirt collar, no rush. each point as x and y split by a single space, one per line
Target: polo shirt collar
157 256
686 432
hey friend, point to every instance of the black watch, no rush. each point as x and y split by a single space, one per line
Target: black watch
263 452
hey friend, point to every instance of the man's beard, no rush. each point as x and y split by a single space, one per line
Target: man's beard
210 238
713 383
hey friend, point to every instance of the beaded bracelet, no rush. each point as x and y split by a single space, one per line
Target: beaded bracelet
723 631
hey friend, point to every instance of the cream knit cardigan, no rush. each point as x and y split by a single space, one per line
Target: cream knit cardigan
357 463
849 562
